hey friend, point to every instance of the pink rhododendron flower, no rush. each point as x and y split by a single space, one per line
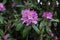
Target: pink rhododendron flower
5 37
29 16
56 38
47 15
2 7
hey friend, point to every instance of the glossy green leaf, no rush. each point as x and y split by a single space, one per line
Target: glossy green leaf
1 19
42 27
54 20
20 6
26 31
1 32
16 22
4 1
36 29
47 28
39 19
19 26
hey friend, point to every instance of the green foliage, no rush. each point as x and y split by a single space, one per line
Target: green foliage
1 32
41 27
1 19
26 31
4 1
0 38
17 29
11 39
36 29
18 25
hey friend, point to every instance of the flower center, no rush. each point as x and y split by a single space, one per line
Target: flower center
30 14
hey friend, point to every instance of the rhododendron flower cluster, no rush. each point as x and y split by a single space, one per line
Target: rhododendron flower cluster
47 15
29 16
2 7
29 20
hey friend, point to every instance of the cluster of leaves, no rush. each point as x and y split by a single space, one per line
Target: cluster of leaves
10 19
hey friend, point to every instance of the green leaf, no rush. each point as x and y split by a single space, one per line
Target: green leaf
42 27
55 20
11 39
0 38
19 26
1 32
1 19
20 6
36 29
39 19
16 22
47 28
4 1
25 31
55 24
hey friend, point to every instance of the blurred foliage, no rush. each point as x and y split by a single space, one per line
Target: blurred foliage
10 20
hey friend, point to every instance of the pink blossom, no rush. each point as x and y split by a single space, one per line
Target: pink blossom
29 16
5 37
47 15
56 38
2 7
